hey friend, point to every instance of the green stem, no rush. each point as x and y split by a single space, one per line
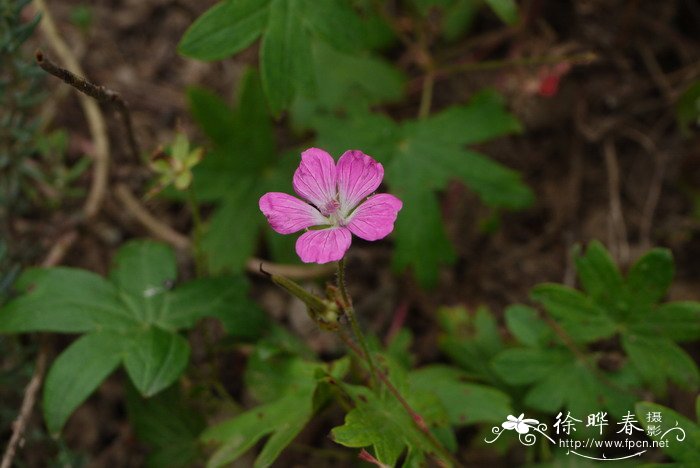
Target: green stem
426 98
349 312
415 416
199 258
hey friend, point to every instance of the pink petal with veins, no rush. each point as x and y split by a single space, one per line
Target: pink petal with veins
287 214
315 178
358 176
374 219
324 245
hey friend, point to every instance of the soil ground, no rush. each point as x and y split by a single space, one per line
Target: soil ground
604 155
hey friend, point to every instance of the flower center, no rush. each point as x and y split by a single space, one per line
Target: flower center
330 208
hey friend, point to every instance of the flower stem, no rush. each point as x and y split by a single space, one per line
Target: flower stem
426 98
199 258
349 312
415 416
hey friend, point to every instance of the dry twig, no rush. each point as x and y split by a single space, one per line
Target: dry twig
94 117
30 394
617 229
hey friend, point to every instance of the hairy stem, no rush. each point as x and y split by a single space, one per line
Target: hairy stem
415 416
349 312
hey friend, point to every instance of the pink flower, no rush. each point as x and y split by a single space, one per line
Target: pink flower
337 205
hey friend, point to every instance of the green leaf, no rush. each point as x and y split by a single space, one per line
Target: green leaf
223 297
471 339
287 415
380 423
144 270
465 402
289 409
64 300
679 321
688 108
285 54
658 358
376 134
527 326
599 275
133 317
507 10
419 228
271 374
482 119
166 424
569 386
155 358
335 21
347 81
213 115
682 451
651 276
519 366
234 227
225 29
458 19
252 134
76 373
580 317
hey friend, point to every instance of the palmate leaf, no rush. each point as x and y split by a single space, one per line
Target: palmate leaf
287 385
383 425
288 28
420 158
132 319
630 307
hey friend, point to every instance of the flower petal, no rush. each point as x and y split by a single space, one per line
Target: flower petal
374 219
315 178
324 245
287 214
358 176
509 425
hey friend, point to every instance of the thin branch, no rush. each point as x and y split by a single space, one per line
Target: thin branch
25 412
93 115
162 231
60 248
156 227
97 92
618 229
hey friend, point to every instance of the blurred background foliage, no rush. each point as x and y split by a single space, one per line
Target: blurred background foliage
515 132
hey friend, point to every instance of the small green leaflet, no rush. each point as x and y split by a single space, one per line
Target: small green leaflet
132 318
685 451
